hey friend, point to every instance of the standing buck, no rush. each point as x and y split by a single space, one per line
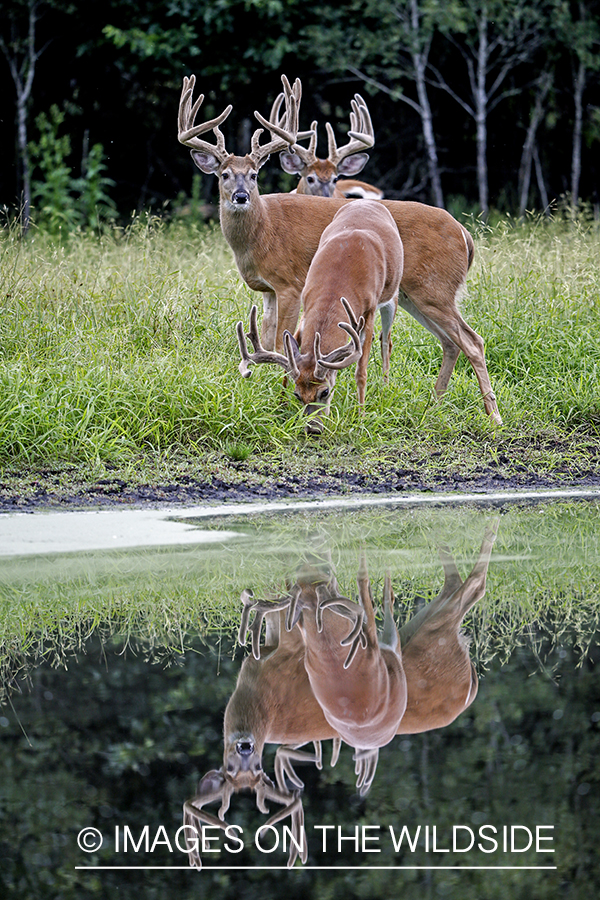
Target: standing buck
319 177
275 237
356 270
305 685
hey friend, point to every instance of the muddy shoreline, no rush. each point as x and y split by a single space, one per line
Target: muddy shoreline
110 492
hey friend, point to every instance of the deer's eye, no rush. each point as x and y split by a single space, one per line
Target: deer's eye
225 176
253 176
310 179
324 394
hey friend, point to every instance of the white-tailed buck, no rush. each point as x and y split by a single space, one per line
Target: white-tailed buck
320 177
275 237
271 704
355 272
304 685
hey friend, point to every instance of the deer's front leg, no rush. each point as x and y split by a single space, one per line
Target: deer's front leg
268 329
365 766
283 763
288 313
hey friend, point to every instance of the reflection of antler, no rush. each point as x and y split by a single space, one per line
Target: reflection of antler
261 608
347 608
212 787
362 693
328 597
216 786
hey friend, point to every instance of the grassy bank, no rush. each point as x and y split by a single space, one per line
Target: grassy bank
119 351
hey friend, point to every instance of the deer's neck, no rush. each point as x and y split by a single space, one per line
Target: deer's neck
247 714
322 312
246 231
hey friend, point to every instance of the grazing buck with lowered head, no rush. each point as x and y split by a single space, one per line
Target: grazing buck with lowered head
356 271
275 237
319 177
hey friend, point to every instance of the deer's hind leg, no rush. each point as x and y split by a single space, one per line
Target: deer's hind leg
388 314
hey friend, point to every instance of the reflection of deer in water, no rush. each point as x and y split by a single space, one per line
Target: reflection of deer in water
307 686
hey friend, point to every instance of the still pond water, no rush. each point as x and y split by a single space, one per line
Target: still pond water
468 766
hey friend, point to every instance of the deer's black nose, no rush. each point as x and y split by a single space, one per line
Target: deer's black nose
240 197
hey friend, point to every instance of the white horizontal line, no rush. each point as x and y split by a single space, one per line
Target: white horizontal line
308 868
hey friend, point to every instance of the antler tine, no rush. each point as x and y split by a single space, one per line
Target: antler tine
188 131
347 354
361 126
285 129
260 355
308 155
276 125
361 133
356 323
292 806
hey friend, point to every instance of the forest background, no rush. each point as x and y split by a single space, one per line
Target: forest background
476 104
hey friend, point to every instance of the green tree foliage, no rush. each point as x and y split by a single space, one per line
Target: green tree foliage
116 68
387 46
577 28
61 201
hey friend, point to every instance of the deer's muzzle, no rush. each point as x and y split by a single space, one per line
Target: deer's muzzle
240 198
315 423
244 748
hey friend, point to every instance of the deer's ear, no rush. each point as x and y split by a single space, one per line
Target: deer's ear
211 782
354 164
205 161
291 162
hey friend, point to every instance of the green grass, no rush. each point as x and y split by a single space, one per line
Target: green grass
543 586
120 351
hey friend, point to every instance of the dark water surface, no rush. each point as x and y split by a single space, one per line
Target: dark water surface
476 762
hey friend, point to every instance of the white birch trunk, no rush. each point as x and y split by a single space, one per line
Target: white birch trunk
579 85
481 113
420 60
537 113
